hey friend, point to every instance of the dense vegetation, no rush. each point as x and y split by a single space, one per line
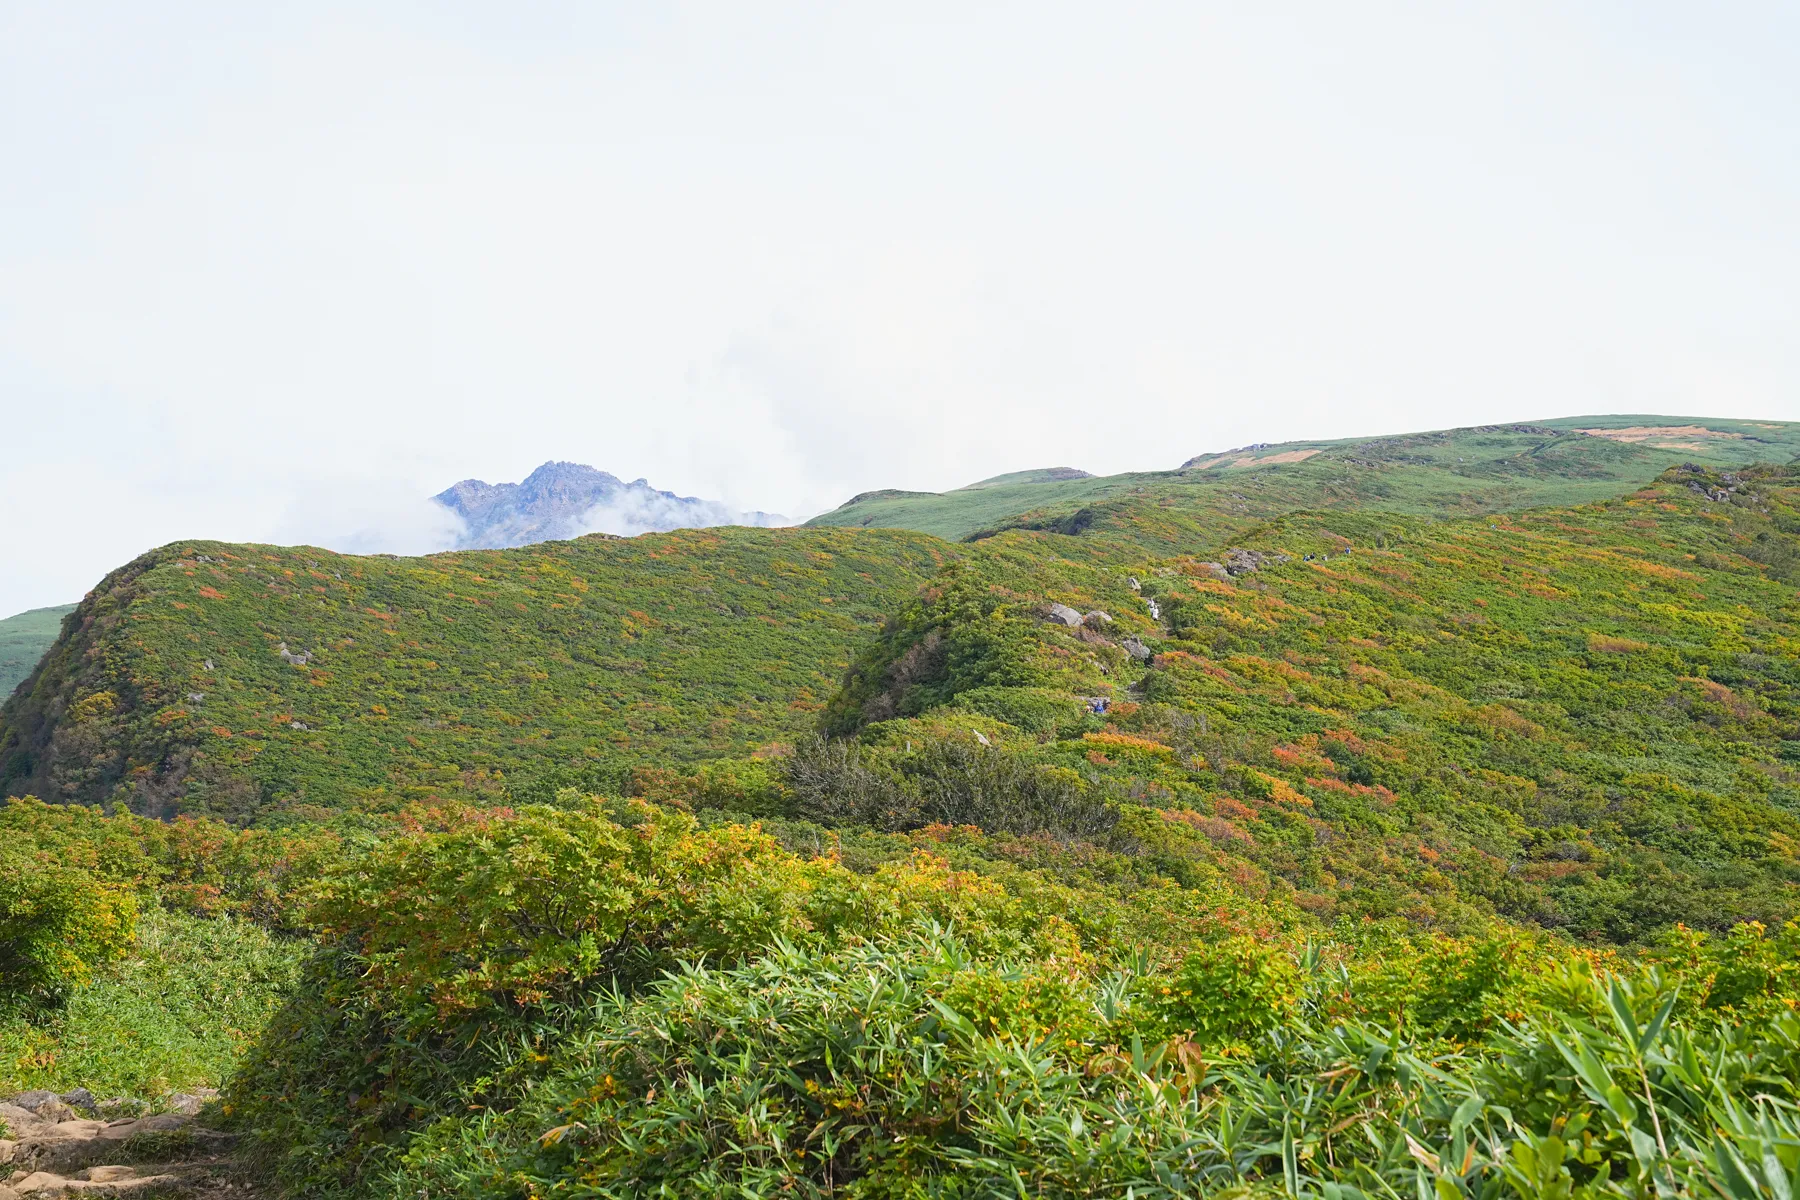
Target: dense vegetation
137 957
1167 845
720 1017
207 678
23 640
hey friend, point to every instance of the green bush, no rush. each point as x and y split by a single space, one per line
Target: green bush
58 924
202 866
1035 710
1225 995
514 909
942 782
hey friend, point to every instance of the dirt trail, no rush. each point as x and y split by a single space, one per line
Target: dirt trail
54 1153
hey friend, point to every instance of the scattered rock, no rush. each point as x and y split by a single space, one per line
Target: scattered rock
287 656
1096 619
1133 581
107 1174
1239 561
191 1104
119 1131
20 1120
982 738
96 1181
1137 649
1216 570
114 1158
35 1111
1717 495
77 1128
1242 562
1065 614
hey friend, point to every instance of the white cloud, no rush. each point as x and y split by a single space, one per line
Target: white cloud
270 273
360 515
634 510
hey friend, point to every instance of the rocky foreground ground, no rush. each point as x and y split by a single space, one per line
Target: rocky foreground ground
72 1145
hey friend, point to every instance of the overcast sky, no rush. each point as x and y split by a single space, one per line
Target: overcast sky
276 272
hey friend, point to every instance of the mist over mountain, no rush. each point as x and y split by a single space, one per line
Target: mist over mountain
563 500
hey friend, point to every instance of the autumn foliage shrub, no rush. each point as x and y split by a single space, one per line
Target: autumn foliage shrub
188 864
518 908
452 943
126 964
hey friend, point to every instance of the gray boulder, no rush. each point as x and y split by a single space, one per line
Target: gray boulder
33 1100
1241 562
1065 614
190 1105
1137 649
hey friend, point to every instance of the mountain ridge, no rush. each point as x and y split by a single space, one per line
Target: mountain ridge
1484 468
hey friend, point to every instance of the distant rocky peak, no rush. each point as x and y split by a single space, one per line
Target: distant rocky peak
569 479
565 500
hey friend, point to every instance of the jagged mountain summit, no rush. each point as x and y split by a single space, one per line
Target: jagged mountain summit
563 500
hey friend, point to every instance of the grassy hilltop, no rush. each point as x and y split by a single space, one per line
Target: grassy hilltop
1486 469
218 678
1420 816
23 640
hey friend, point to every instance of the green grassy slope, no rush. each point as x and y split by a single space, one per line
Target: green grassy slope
1483 469
23 640
174 1015
1584 718
405 678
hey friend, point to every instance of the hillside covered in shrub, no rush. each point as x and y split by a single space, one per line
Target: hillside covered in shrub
1319 849
224 679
